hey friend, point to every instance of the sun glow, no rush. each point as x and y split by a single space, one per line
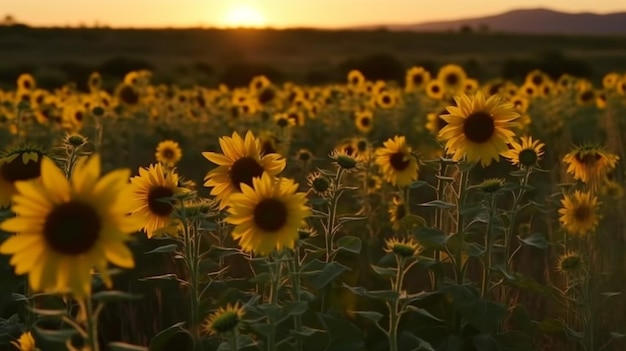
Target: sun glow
244 16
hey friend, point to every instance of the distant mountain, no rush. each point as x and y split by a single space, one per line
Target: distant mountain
535 21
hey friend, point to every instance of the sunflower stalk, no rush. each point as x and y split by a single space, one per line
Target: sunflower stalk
91 324
486 277
459 269
296 284
330 228
191 248
508 236
274 265
439 217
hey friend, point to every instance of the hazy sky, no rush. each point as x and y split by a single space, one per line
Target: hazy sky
276 13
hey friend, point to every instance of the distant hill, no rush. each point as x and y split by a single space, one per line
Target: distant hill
535 21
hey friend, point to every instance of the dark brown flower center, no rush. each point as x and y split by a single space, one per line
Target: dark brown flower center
386 99
158 200
588 159
399 161
400 212
270 215
435 89
168 154
304 156
365 121
452 79
72 228
417 79
18 170
586 96
282 122
479 127
267 95
243 170
582 213
128 95
537 80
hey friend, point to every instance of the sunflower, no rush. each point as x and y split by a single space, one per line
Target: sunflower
478 129
127 94
283 121
416 79
385 99
258 83
23 163
225 320
435 90
26 82
434 123
609 80
94 82
168 153
397 211
268 214
373 183
356 79
319 184
570 262
579 214
526 154
151 199
346 159
65 228
590 164
586 97
304 156
240 163
364 121
536 78
26 342
398 165
404 248
452 77
612 190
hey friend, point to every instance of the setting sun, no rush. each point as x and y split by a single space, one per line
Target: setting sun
244 16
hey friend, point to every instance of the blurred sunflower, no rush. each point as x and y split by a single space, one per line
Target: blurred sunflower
127 95
94 82
579 214
258 83
385 99
536 78
612 190
403 248
26 82
240 163
609 80
478 129
416 79
356 79
398 165
434 123
151 199
283 121
526 154
65 228
435 90
26 342
22 163
168 152
452 77
364 121
225 320
320 184
570 262
268 214
590 164
397 211
585 97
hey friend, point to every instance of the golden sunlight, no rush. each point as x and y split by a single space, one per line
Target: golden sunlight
244 16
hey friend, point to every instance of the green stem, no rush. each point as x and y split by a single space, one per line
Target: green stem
92 325
508 237
332 214
488 244
232 341
295 279
192 252
459 271
439 214
275 268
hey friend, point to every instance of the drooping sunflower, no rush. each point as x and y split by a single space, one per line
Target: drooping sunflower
168 152
398 165
403 248
478 129
22 163
268 214
240 163
26 342
579 214
397 211
151 199
526 154
66 228
225 320
590 164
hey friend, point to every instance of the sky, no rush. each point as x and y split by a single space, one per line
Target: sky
274 13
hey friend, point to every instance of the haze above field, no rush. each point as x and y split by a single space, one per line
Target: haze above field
275 13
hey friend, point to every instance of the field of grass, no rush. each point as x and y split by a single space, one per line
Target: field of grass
387 206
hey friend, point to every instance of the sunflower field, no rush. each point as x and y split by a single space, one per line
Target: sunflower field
439 213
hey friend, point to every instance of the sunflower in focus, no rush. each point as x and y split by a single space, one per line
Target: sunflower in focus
65 228
23 163
151 199
478 129
26 342
579 214
225 320
590 164
526 154
398 165
168 152
268 214
240 162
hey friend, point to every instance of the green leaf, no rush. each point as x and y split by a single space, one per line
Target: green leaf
616 335
417 342
295 308
384 271
438 204
349 243
263 328
536 240
521 320
371 315
423 312
485 343
54 336
161 340
343 335
221 252
122 346
412 221
475 250
47 312
169 276
115 296
431 238
261 278
331 271
306 331
163 249
387 295
418 184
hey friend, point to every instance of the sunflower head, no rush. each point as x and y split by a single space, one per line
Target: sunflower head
490 186
225 320
478 129
590 164
525 154
612 190
569 263
397 211
579 213
398 165
346 161
168 152
364 121
283 121
306 233
26 342
403 248
268 214
320 184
